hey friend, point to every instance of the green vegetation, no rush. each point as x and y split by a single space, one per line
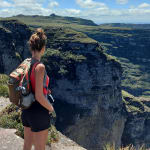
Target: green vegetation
61 62
112 58
52 19
3 85
18 56
126 25
77 24
68 55
4 29
10 21
126 94
61 34
135 78
133 104
109 146
10 117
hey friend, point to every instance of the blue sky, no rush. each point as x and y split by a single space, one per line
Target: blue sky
100 11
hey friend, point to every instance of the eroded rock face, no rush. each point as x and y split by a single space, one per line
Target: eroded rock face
88 99
89 107
136 130
131 47
13 45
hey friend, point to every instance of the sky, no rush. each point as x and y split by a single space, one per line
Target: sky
100 11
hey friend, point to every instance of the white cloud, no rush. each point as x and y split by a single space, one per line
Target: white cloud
138 12
144 5
40 1
72 11
25 3
53 4
122 2
90 4
107 15
26 7
4 4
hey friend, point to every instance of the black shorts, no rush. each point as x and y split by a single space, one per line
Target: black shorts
36 119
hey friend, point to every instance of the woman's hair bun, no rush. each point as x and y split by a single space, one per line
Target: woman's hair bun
40 32
38 40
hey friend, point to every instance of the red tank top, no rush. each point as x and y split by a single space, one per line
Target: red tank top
32 79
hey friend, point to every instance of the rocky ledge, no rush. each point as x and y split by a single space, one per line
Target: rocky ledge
10 141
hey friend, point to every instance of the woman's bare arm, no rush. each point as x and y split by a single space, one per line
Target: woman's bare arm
39 75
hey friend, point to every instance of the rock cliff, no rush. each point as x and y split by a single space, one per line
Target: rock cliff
13 44
136 129
88 95
131 47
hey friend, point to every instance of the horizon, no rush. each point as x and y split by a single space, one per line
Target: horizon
100 12
144 23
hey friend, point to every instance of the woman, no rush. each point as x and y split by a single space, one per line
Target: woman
36 119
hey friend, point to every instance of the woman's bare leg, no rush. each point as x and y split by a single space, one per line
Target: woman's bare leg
40 139
28 138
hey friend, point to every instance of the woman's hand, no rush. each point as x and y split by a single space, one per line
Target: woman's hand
49 92
51 110
53 114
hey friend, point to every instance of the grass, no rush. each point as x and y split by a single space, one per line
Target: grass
10 118
134 80
63 34
109 146
53 19
113 58
126 94
18 56
3 85
61 62
133 104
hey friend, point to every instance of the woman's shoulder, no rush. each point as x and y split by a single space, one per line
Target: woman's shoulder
40 67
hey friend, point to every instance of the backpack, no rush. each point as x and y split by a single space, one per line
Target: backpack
19 85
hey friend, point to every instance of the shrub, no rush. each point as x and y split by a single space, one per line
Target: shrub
3 85
109 146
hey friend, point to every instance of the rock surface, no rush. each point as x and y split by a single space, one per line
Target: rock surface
13 44
10 141
138 121
4 102
65 143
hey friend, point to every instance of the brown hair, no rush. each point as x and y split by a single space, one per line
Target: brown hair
37 40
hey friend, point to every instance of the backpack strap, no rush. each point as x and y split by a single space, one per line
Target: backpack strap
44 80
33 65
